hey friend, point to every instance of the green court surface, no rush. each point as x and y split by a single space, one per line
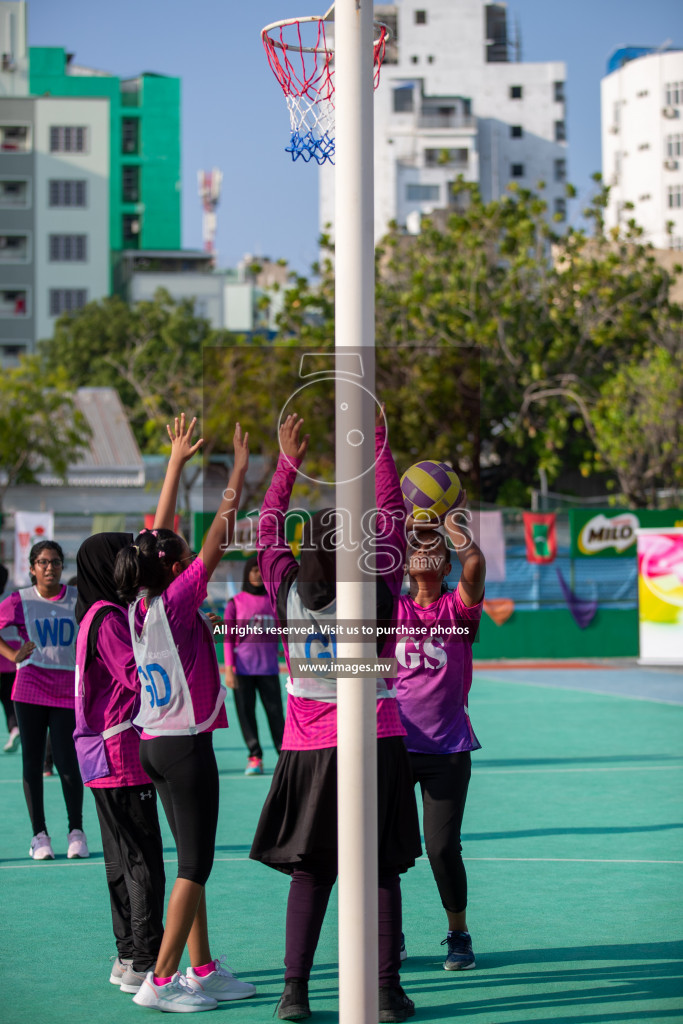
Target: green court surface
573 844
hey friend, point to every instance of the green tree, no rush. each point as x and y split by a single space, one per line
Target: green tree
152 353
40 428
497 335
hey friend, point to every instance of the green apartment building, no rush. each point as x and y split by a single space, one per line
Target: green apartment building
145 184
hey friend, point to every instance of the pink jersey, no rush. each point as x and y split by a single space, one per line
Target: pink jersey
111 688
35 685
311 724
434 656
182 600
252 654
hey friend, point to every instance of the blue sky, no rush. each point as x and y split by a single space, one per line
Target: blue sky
234 114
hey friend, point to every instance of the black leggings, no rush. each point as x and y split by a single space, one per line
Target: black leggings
34 721
309 894
134 860
444 779
184 772
6 684
268 688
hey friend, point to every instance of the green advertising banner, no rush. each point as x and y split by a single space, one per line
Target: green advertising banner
611 533
244 540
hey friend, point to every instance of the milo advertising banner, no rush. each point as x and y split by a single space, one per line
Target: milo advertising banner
660 596
611 533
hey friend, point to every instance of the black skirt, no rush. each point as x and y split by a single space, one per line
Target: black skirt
298 823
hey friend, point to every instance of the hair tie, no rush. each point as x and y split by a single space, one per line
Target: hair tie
161 554
155 533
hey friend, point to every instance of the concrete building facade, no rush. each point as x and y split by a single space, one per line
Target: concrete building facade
642 142
452 101
54 202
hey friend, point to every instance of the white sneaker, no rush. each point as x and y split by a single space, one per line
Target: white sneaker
41 847
118 969
176 996
13 741
78 846
221 984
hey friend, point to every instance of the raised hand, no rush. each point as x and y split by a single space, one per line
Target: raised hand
292 445
182 448
241 446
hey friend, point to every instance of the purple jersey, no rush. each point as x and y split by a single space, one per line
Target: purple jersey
434 677
253 653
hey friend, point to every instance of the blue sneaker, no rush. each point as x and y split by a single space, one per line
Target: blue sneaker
460 956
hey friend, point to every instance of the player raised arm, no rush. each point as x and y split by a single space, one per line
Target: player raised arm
182 450
473 573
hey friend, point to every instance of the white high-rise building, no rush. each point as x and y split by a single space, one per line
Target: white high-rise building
642 142
453 101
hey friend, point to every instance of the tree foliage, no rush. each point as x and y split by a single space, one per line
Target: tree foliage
500 341
40 428
152 353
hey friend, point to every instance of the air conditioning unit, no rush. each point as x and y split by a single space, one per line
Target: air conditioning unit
670 112
671 165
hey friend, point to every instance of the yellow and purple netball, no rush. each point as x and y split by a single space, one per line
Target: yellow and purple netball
430 489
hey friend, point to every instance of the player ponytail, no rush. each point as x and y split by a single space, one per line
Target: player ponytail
147 563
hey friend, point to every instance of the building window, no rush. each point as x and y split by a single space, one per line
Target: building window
515 92
130 127
420 17
430 58
68 248
14 248
560 131
131 184
14 302
423 193
643 92
131 230
675 197
67 300
673 94
516 131
560 209
14 194
15 138
560 167
676 243
414 59
68 139
447 157
558 92
403 99
67 192
645 196
517 170
644 145
674 145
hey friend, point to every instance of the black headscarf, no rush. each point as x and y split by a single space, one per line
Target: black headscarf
95 577
247 586
317 577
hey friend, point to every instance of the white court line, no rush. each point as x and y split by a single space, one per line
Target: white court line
574 860
484 678
420 860
624 768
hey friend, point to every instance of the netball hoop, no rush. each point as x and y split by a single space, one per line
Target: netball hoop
300 52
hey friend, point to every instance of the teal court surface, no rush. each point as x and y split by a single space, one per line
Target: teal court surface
573 839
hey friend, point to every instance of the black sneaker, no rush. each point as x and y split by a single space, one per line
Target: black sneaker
460 955
294 1001
394 1005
